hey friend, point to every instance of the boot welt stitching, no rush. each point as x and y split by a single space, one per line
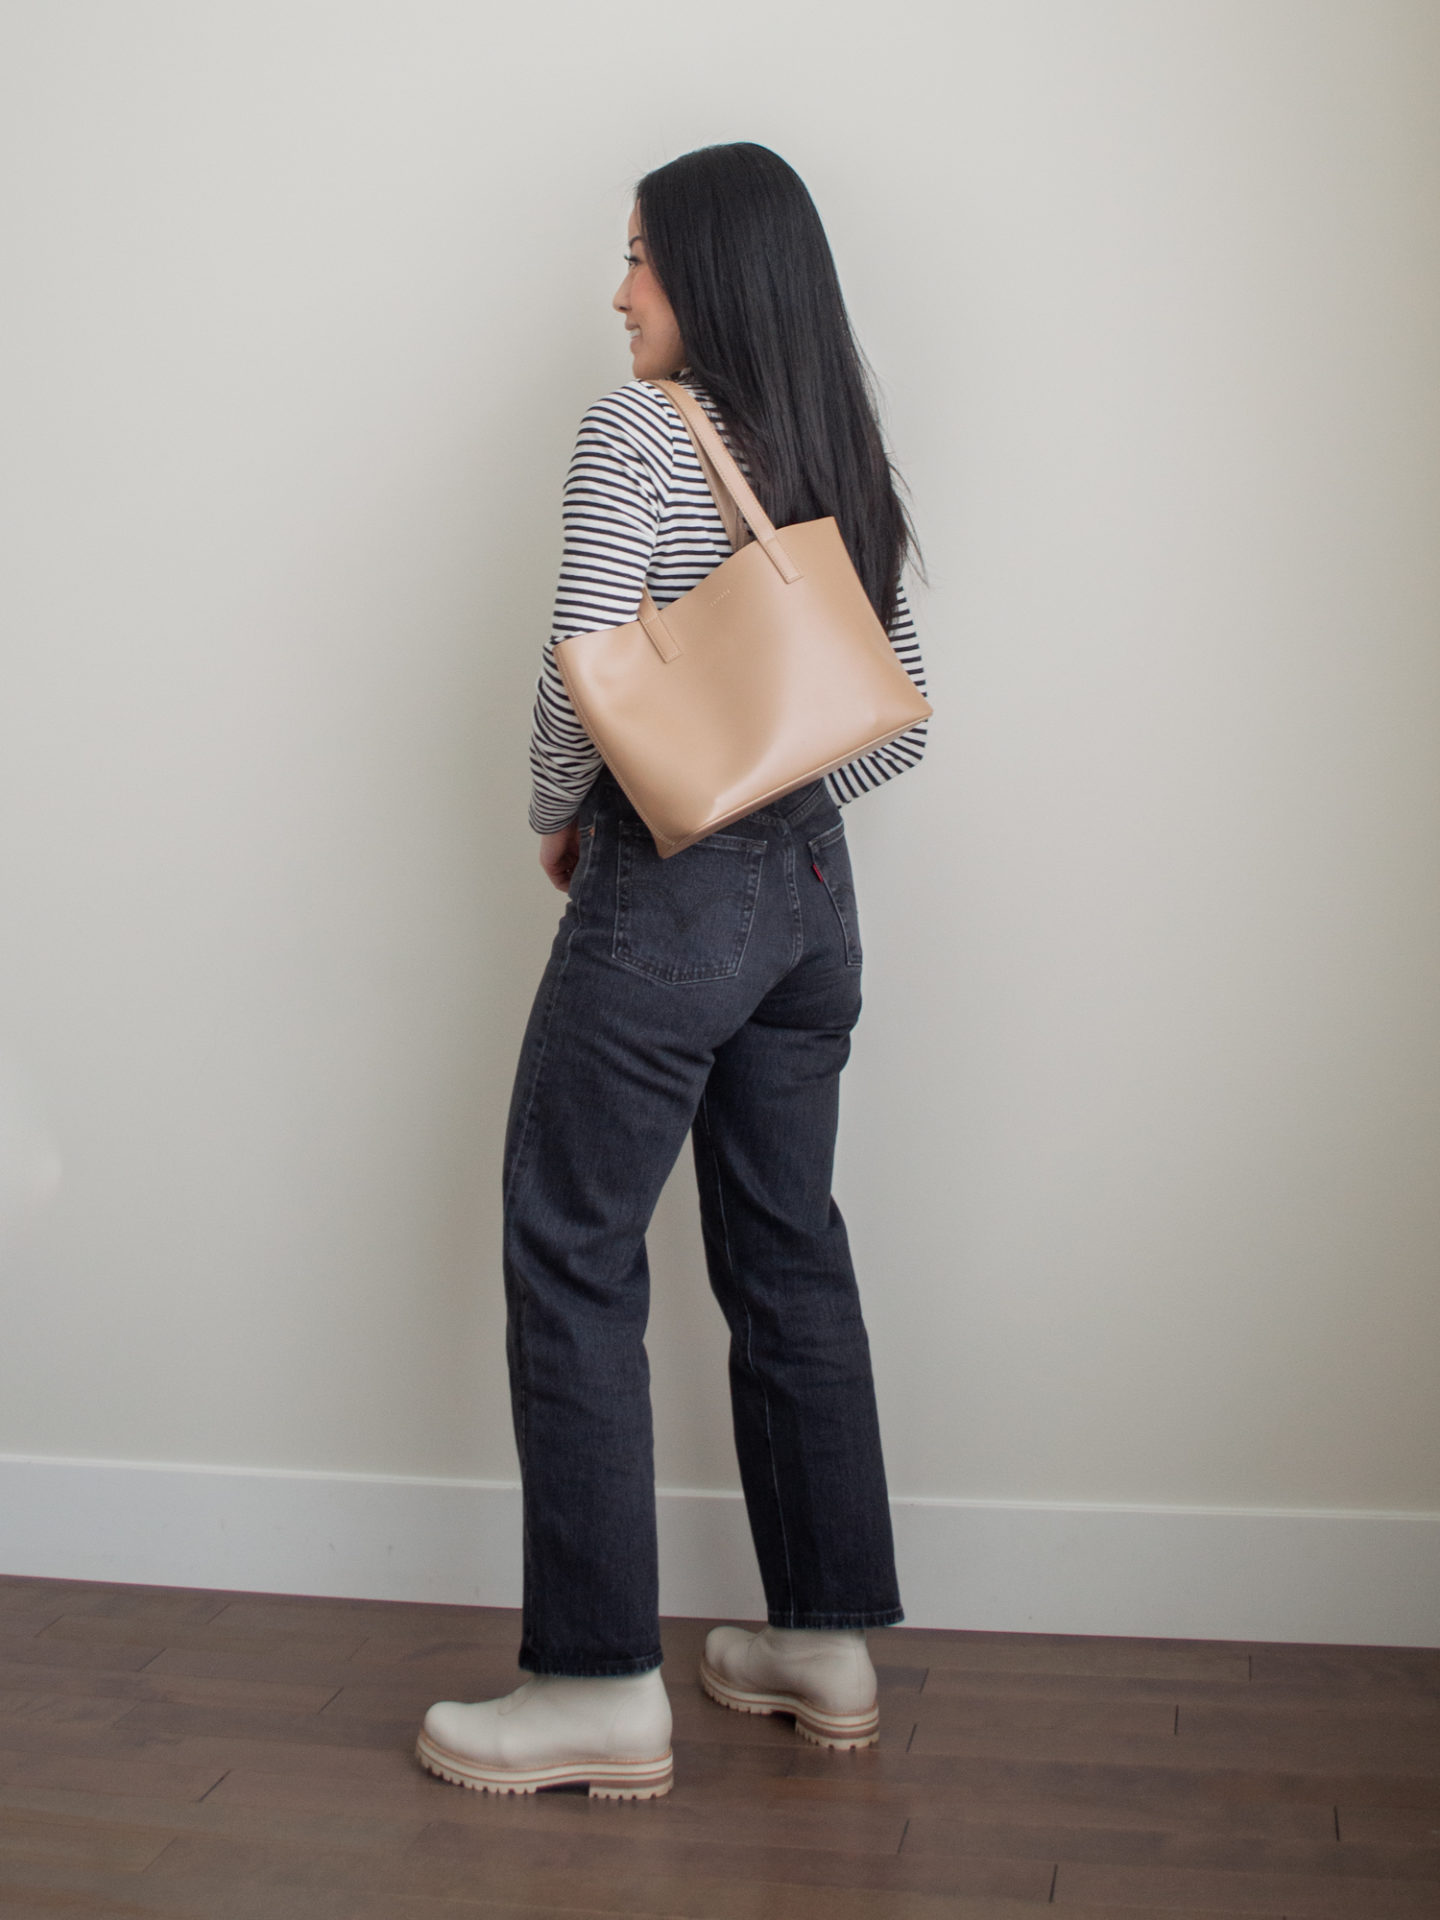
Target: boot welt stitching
642 1777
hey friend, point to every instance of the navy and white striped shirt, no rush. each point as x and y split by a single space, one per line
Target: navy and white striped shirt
638 512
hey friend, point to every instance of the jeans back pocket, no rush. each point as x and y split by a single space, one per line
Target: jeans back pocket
687 918
831 858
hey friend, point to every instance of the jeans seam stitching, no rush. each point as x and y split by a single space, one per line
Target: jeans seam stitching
854 954
797 912
752 899
542 1052
749 1348
582 867
522 1291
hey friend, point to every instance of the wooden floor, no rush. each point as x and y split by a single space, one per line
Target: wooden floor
166 1752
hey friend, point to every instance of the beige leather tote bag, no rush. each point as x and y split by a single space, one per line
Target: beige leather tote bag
770 673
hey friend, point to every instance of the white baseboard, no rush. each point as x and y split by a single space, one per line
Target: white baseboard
1335 1577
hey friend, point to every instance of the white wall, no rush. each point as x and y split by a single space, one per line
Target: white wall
302 302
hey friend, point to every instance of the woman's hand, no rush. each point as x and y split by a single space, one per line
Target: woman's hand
559 851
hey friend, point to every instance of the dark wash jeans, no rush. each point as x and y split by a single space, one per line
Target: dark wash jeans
711 993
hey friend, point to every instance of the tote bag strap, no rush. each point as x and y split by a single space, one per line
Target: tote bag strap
736 531
703 433
733 496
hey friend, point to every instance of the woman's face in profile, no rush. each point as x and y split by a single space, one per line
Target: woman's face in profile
656 350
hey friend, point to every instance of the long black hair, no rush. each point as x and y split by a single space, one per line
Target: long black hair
735 241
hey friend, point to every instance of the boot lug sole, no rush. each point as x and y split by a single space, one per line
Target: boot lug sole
606 1780
840 1730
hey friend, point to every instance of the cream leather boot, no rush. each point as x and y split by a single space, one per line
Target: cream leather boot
824 1678
612 1735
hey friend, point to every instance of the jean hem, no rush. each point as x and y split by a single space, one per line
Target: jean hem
577 1666
836 1622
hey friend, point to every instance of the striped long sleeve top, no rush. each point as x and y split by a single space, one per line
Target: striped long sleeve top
638 512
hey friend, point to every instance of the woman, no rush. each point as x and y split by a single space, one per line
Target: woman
712 993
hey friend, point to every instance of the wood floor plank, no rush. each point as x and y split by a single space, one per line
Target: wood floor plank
548 1896
1388 1826
240 1903
408 1698
1059 1653
361 1906
18 1625
1293 1748
897 1679
692 1816
1081 1745
39 1650
391 1620
153 1683
1409 1670
1357 1726
41 1708
1273 1749
176 1720
21 1593
100 1733
702 1721
297 1759
1237 1696
74 1840
985 1713
1101 1809
1097 1830
600 1848
368 1832
632 1868
692 1812
319 1667
101 1631
977 1777
103 1902
166 1608
1291 1896
1228 1852
155 1773
955 1683
405 1793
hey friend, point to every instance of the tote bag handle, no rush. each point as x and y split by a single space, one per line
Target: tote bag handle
735 483
741 510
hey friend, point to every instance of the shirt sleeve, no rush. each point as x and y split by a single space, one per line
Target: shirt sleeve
611 518
874 769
